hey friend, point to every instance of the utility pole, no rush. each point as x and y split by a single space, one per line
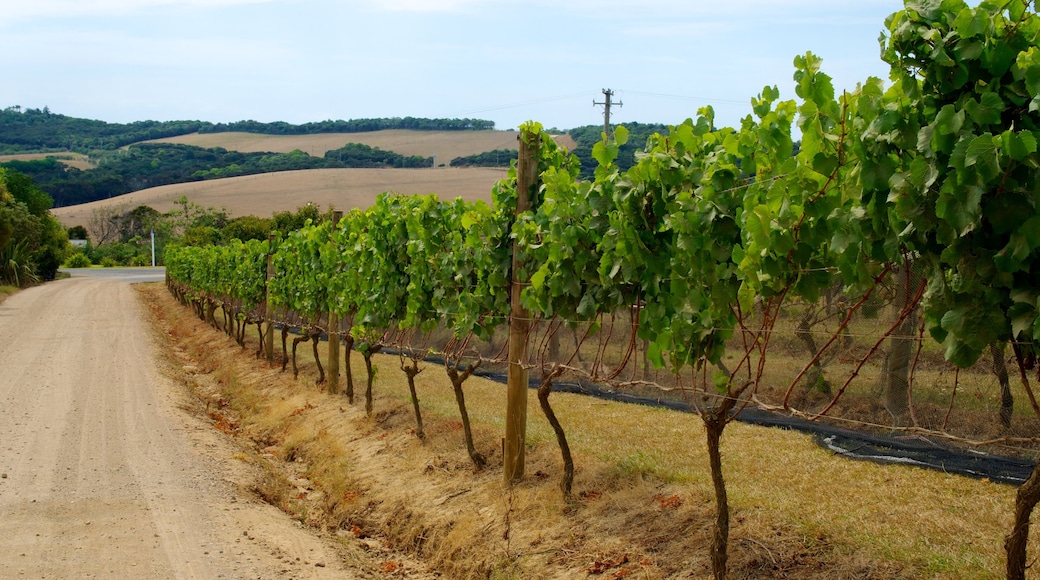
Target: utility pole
606 109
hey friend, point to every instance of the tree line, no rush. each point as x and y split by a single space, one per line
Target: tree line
351 126
40 130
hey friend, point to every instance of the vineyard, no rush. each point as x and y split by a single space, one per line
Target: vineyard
877 274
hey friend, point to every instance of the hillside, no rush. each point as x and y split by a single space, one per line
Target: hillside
443 146
263 194
266 193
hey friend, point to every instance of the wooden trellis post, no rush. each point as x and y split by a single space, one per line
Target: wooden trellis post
333 331
268 309
519 324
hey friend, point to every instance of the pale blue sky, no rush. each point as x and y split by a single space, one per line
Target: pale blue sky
504 60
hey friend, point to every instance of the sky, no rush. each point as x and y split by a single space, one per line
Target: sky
508 61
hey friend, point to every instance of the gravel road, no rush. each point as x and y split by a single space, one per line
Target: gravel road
102 473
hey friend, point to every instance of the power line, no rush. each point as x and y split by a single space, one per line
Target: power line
521 104
687 97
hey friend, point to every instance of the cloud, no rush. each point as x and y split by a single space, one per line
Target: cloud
11 10
109 51
423 5
670 10
682 29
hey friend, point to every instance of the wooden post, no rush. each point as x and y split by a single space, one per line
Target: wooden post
519 325
268 309
334 331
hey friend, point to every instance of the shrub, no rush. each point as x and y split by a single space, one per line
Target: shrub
108 262
78 260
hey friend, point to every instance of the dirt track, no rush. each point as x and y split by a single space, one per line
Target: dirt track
102 474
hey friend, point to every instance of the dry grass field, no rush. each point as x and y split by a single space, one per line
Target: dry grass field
442 145
77 160
261 195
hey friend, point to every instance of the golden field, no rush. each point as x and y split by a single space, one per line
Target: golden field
443 146
263 194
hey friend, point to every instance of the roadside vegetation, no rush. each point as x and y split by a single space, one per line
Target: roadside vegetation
641 497
32 243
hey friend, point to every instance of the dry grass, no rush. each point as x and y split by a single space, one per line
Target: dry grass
642 503
77 160
442 145
264 194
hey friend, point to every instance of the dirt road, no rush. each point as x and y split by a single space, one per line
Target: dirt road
102 474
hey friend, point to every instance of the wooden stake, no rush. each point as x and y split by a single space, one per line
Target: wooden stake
519 324
268 309
333 331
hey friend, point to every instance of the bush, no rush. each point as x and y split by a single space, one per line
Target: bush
108 262
120 253
78 260
141 260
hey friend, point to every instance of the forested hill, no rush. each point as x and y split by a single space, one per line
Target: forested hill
36 130
147 165
40 130
153 164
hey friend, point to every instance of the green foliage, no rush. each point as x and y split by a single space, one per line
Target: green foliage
958 133
588 136
360 155
248 228
33 242
287 221
77 233
232 274
23 189
495 158
117 253
78 260
41 130
201 236
16 266
302 281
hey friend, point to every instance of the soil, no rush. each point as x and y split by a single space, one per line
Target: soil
103 472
